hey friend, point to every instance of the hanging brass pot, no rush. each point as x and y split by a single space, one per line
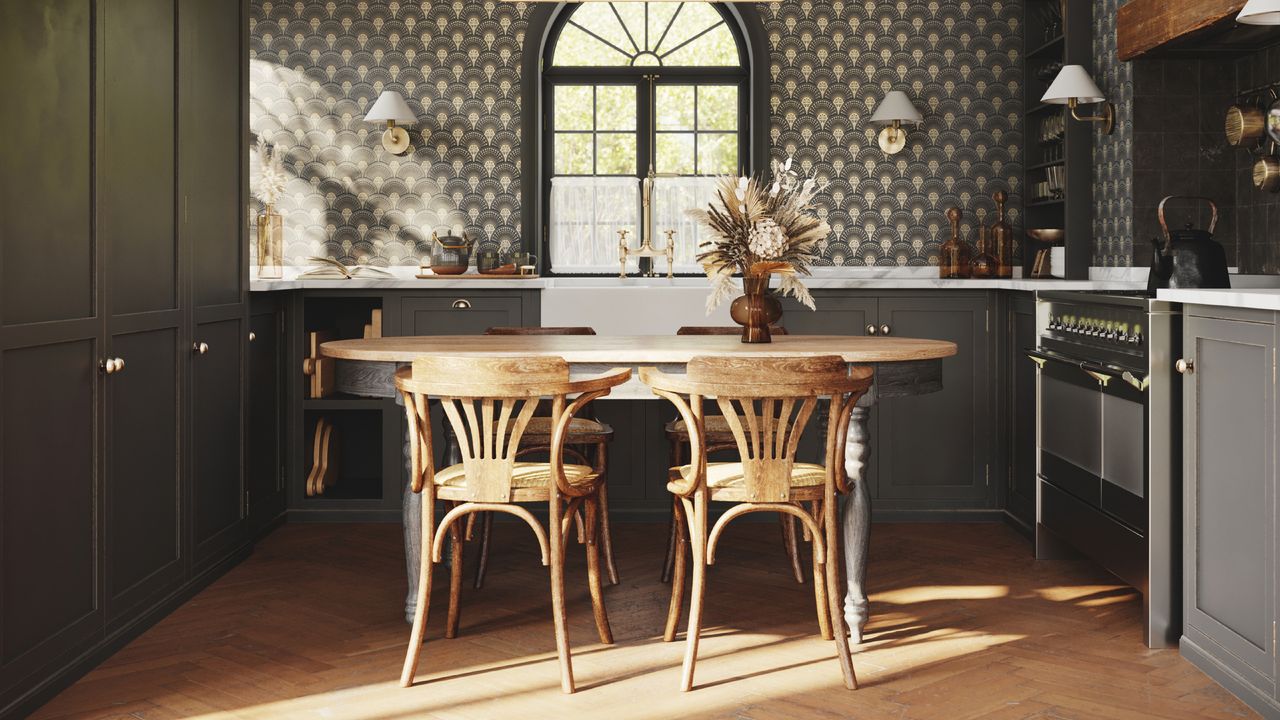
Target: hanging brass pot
1245 125
1266 174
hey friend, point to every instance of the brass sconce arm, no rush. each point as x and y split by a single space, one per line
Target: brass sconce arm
1107 118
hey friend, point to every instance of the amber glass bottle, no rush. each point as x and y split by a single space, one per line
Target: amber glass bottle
1002 238
953 257
984 264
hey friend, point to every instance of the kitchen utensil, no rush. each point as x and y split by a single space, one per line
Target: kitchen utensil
450 254
1266 174
1245 125
1196 259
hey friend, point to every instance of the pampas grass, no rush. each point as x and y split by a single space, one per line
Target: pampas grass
269 180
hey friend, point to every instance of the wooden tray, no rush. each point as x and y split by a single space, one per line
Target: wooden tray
479 276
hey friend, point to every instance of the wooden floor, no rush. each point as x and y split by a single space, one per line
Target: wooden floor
964 625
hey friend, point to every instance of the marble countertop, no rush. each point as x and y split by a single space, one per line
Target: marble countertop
920 278
1251 298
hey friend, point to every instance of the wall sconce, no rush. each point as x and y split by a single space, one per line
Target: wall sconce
1072 87
391 109
895 109
1260 12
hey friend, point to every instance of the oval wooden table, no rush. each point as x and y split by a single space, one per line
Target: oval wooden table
903 366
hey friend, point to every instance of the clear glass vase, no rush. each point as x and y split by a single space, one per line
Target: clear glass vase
270 244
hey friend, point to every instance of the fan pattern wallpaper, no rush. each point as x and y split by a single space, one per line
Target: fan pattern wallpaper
318 65
1113 154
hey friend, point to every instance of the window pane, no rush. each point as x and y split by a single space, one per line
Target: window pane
693 18
598 18
616 107
716 48
717 107
660 14
576 48
675 153
717 153
633 18
674 109
573 107
616 154
573 153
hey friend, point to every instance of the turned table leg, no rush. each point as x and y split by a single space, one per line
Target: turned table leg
855 518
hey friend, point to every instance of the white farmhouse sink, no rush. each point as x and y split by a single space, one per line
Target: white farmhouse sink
632 306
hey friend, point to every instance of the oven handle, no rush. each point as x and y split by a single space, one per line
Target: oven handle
1102 374
1040 357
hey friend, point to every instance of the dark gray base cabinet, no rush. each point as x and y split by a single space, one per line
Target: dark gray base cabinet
1229 528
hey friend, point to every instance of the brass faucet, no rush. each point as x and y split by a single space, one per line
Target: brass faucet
646 243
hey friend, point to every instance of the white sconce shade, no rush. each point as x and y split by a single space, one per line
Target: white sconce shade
895 109
391 109
1073 83
1074 86
1260 12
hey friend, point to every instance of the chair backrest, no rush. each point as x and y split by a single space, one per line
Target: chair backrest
505 330
488 402
723 330
767 402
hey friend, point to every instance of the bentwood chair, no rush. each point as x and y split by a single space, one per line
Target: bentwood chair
718 438
766 403
489 403
585 432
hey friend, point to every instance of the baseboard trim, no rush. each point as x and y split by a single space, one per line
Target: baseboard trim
1229 679
46 689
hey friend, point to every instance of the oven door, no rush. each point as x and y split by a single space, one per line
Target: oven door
1124 443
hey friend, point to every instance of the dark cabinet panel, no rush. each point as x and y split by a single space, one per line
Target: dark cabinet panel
136 160
1229 493
837 314
1021 385
216 432
459 314
48 503
143 475
212 141
46 160
937 447
263 413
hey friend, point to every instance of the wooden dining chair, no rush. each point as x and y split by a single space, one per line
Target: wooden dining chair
766 402
718 438
489 403
585 432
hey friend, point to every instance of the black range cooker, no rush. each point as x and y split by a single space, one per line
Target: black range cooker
1108 413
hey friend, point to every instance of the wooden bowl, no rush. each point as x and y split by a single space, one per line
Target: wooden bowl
1047 235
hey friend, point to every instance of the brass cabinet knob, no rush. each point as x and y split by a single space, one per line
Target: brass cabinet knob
252 336
1185 366
885 329
872 330
461 304
107 365
118 363
200 348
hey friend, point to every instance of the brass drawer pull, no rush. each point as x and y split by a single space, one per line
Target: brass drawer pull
461 304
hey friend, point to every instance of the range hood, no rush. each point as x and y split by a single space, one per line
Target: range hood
1165 28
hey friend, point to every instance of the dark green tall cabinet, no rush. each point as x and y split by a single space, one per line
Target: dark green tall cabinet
122 233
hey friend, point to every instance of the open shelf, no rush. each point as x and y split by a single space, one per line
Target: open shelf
355 454
1052 48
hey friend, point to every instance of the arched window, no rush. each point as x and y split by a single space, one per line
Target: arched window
635 91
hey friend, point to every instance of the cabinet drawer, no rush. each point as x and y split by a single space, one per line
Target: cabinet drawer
459 314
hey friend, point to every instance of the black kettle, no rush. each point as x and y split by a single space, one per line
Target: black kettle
1189 258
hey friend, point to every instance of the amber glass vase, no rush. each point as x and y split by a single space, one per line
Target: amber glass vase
1001 238
756 309
984 264
270 244
954 256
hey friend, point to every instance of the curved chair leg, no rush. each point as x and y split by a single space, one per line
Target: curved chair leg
592 512
835 592
557 592
455 580
673 520
424 589
792 546
605 532
820 583
482 564
680 552
697 513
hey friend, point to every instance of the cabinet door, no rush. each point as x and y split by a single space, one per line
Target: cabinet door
1022 410
459 314
264 413
935 449
1229 493
217 431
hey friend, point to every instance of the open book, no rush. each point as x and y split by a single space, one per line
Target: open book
330 269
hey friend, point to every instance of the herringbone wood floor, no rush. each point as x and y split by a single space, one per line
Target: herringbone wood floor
965 625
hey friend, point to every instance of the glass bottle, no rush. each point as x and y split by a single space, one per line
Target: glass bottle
270 244
984 263
1002 238
953 257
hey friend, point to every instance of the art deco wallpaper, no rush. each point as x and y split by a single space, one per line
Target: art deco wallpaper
317 66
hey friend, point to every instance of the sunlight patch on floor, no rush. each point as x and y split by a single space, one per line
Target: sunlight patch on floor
935 593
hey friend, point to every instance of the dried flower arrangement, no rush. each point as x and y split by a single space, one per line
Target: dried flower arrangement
269 180
757 228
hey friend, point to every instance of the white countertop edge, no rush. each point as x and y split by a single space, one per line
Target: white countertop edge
1248 298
